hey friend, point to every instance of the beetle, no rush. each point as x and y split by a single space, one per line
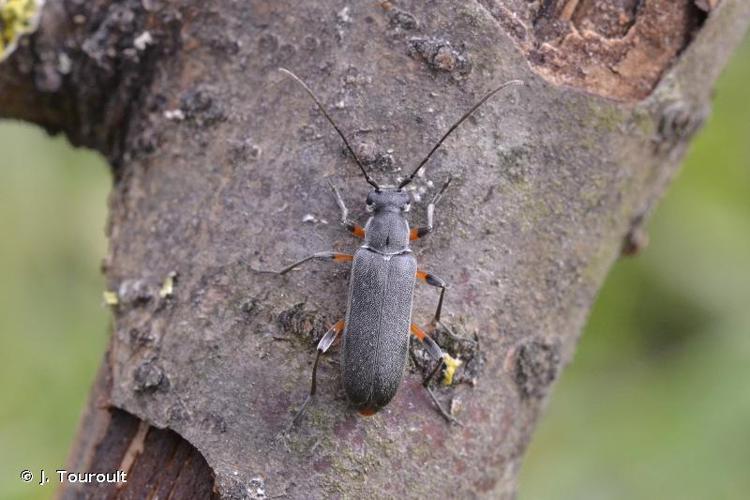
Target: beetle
375 331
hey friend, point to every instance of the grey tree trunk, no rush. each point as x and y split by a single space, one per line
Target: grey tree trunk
220 169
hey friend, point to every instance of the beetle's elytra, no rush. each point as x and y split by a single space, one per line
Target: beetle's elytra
375 331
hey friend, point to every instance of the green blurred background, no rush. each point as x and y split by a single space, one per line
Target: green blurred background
656 404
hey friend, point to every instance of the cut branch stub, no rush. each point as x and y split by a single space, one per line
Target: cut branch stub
617 48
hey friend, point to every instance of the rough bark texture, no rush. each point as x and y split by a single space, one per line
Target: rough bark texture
217 167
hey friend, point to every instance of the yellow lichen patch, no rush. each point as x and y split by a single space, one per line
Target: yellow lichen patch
167 288
110 298
451 365
17 17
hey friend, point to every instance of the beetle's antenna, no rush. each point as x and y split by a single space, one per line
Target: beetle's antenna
333 124
455 126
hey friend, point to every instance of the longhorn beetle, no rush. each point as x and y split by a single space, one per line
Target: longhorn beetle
376 328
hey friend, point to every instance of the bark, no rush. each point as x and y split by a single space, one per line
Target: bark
217 166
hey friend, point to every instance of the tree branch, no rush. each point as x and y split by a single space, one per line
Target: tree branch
86 68
220 165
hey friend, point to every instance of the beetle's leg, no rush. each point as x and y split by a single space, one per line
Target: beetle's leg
421 231
325 343
436 353
335 256
435 281
438 282
349 224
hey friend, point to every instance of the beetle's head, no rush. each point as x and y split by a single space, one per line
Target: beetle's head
389 199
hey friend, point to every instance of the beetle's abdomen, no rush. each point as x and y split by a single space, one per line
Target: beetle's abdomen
376 336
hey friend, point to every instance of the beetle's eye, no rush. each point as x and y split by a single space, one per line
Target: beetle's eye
406 207
370 207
